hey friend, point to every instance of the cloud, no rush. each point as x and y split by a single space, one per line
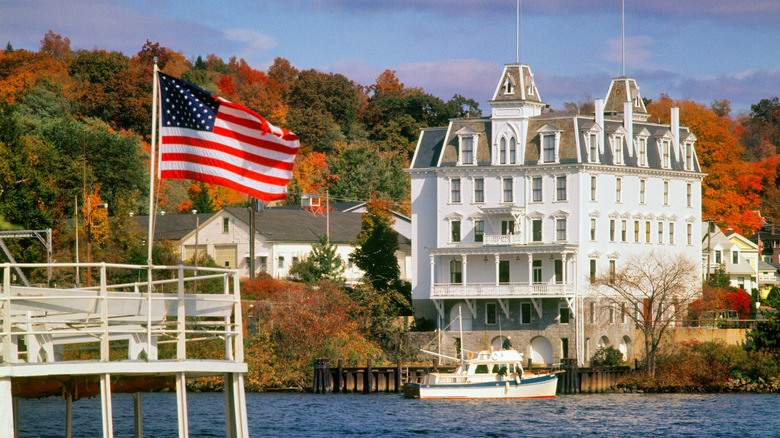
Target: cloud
637 54
251 40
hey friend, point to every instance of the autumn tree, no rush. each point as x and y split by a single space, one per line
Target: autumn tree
55 45
658 286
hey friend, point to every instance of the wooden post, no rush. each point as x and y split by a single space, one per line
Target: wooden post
325 375
398 376
339 384
368 378
315 383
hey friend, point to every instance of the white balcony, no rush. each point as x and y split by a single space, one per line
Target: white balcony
501 239
505 290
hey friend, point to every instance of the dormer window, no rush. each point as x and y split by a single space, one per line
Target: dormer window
549 137
548 148
509 86
688 155
617 149
593 148
642 151
467 143
529 85
666 153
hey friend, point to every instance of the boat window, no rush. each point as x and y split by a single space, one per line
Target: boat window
495 368
481 369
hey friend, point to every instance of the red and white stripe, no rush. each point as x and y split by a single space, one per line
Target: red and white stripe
244 152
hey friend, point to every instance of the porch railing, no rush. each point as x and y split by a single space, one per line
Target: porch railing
506 290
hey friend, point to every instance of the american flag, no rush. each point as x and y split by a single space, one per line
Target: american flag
207 138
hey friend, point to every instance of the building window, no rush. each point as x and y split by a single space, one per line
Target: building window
548 148
503 271
455 231
593 229
558 271
563 313
611 271
618 189
660 232
623 313
593 148
666 192
560 188
507 227
525 313
671 233
281 262
225 225
666 153
618 149
592 188
263 265
642 151
735 257
624 231
507 189
560 229
502 150
491 315
636 231
592 271
456 275
479 190
455 190
565 348
642 191
592 313
536 230
612 230
690 234
718 259
537 271
688 156
479 231
647 231
536 184
467 150
688 196
512 150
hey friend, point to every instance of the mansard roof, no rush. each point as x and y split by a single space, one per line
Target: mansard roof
516 84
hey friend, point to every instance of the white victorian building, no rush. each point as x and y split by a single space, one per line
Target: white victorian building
512 215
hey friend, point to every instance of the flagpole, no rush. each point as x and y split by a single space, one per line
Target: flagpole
150 240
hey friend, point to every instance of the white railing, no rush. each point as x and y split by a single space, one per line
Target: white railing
501 239
510 290
52 320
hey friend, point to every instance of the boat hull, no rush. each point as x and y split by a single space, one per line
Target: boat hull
533 387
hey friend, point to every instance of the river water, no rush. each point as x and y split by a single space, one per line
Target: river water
384 415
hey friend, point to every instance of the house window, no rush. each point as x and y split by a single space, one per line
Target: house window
642 191
560 229
456 275
688 156
548 148
512 150
592 313
592 188
455 231
507 227
537 271
636 231
560 188
503 271
294 260
735 257
618 149
647 231
558 271
611 271
666 153
479 231
612 230
225 225
718 259
624 231
671 233
593 229
455 190
690 234
263 265
491 316
660 232
666 192
525 313
281 261
618 189
502 150
593 148
479 190
467 150
642 151
507 189
592 271
741 282
611 315
623 313
536 184
536 230
563 313
565 347
688 195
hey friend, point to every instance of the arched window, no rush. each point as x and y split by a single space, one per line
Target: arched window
502 150
512 150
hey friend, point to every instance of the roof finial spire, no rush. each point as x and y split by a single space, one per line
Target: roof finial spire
517 34
623 39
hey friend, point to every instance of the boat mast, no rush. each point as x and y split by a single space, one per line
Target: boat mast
460 324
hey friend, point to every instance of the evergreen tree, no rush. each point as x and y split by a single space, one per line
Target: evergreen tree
323 263
766 336
376 247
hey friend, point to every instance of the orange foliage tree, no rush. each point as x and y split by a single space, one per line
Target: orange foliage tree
731 190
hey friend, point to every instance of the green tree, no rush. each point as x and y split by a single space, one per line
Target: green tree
358 171
767 332
322 263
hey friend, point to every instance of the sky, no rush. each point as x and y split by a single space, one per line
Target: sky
701 50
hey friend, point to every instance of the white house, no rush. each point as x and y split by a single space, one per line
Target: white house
737 256
513 213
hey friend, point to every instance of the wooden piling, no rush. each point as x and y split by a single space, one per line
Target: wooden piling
368 385
339 382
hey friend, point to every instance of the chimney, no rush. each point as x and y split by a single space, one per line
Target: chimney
675 128
599 112
628 124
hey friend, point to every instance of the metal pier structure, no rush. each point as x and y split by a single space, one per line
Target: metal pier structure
83 342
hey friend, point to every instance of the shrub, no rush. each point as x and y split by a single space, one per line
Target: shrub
607 357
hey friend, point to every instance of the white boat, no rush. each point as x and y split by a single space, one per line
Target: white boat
486 374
